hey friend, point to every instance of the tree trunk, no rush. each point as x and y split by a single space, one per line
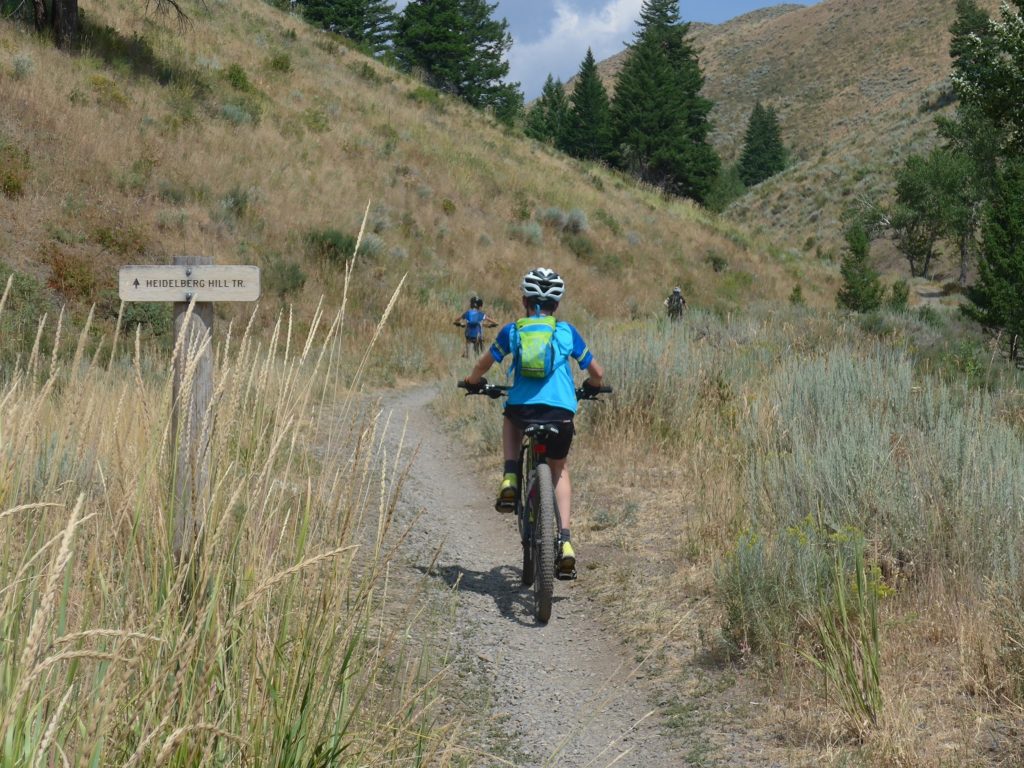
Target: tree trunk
40 14
964 256
65 24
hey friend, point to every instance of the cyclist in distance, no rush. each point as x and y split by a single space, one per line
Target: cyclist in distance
675 304
542 391
474 319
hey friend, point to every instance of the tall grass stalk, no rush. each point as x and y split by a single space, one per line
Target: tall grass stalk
283 657
848 636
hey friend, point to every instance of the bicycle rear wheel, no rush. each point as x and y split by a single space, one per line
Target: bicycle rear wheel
544 532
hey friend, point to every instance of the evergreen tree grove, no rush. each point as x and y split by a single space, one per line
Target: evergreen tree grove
460 48
659 119
589 134
548 118
763 155
368 22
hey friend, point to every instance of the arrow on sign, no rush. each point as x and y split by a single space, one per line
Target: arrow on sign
136 283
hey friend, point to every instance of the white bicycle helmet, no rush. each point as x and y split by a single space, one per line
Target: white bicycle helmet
543 284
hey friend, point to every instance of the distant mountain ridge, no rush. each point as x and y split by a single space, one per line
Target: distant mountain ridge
856 84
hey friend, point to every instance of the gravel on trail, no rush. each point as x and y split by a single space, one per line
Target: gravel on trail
567 693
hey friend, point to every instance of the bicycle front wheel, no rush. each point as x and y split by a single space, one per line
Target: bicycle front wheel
544 542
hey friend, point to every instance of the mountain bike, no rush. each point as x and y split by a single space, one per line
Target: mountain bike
478 342
536 510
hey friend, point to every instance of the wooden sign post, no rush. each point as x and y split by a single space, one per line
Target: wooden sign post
193 284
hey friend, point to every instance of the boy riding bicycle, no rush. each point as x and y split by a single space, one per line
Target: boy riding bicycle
542 391
474 319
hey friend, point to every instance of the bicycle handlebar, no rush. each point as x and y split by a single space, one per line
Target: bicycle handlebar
494 391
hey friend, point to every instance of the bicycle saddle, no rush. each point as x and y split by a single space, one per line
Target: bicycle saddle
541 431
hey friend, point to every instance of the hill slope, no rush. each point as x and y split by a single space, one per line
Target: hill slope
856 84
249 134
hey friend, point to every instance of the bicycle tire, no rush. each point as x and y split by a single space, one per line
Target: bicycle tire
544 544
523 520
528 562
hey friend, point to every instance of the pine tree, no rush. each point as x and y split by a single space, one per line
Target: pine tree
763 155
368 22
548 118
861 291
997 299
660 121
589 134
459 48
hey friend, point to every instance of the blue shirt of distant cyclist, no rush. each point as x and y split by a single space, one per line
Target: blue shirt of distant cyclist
474 323
558 389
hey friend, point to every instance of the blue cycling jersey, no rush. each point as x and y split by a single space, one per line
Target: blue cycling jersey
558 389
474 323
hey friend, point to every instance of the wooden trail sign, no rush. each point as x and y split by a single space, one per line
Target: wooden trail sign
184 282
192 281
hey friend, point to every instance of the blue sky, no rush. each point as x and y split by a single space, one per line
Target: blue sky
553 35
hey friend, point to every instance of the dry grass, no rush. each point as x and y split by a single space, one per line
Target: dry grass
275 643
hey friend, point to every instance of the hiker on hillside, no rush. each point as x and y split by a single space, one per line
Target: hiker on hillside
473 320
542 390
675 304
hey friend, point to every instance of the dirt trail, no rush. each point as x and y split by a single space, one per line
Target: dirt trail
564 694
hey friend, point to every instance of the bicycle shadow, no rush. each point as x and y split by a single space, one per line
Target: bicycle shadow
503 583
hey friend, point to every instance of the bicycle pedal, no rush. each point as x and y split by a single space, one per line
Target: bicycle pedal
566 576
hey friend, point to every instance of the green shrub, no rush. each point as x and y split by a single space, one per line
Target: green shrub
22 68
280 62
72 276
372 246
899 296
170 192
609 221
14 169
581 245
281 277
237 78
427 97
316 120
448 206
367 72
796 296
552 217
26 304
106 92
716 261
330 245
120 238
234 206
528 232
576 222
156 317
242 110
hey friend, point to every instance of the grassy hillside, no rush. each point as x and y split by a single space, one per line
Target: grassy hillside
253 138
856 84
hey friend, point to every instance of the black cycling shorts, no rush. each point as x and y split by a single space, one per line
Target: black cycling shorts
524 415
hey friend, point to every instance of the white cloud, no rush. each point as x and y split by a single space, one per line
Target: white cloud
572 31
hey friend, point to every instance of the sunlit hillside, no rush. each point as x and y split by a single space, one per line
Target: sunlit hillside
251 137
856 83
